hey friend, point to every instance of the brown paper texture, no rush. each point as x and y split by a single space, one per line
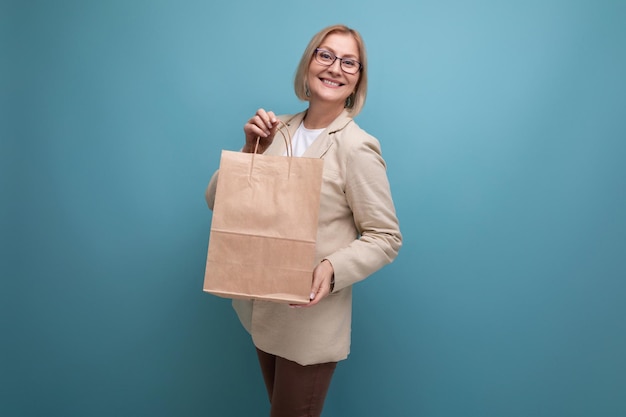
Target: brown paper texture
264 227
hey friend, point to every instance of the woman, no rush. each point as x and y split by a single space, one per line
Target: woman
358 232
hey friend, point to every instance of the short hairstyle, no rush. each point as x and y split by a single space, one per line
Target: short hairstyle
353 106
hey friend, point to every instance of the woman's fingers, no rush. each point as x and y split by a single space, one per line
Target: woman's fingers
322 275
262 125
265 121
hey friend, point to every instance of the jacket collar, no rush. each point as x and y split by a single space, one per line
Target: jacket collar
321 144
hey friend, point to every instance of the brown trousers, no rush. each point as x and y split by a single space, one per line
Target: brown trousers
295 390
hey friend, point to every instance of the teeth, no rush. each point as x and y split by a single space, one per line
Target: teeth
331 83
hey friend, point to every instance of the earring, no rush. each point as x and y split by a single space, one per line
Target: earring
350 101
307 92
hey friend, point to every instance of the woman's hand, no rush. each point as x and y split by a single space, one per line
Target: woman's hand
322 277
262 125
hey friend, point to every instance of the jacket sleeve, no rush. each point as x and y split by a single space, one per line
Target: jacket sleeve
209 193
368 194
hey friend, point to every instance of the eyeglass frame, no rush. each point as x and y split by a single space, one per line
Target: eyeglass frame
315 52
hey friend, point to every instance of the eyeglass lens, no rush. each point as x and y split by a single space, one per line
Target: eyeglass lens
348 65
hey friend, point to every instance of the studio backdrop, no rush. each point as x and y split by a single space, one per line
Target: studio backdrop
503 127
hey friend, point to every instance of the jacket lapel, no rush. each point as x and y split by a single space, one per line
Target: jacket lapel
326 139
320 146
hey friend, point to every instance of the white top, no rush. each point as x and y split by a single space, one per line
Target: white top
303 138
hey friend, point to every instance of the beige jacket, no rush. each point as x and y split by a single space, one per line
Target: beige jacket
358 232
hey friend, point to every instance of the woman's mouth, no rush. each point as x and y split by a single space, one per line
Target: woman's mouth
331 83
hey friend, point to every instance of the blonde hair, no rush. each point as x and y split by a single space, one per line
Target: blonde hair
357 102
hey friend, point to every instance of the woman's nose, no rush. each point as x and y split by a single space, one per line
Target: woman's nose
335 66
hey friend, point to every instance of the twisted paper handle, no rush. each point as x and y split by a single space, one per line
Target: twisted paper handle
287 139
288 144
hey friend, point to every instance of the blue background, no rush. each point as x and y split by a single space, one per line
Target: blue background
503 124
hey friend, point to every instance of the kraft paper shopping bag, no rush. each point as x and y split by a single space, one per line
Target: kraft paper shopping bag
264 227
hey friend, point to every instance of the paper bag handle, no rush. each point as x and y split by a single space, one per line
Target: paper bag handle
288 144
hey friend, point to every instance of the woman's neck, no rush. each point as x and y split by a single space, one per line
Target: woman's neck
320 117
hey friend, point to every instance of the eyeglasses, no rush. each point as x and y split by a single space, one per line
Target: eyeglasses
348 65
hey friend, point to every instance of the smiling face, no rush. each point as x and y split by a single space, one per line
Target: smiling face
330 85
